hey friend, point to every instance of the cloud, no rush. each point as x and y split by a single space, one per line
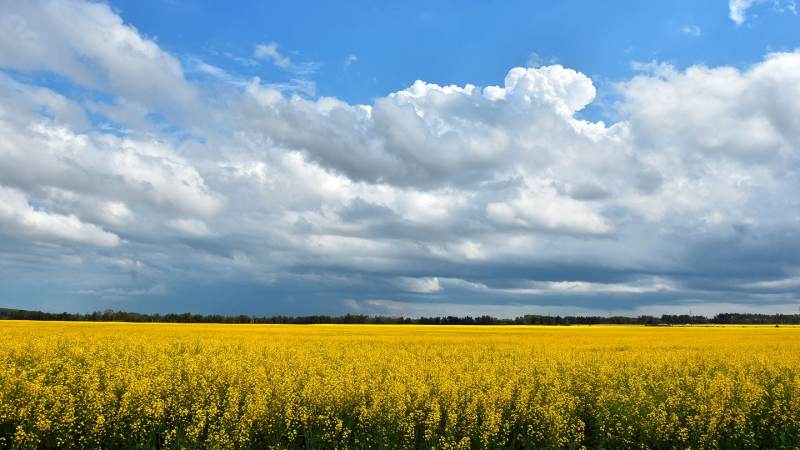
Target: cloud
104 167
270 53
738 8
349 60
434 199
419 285
434 135
537 60
18 216
754 122
295 85
424 309
544 209
89 44
113 213
300 71
692 30
191 227
157 290
24 102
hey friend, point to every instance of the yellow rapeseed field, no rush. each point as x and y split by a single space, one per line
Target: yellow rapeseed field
118 385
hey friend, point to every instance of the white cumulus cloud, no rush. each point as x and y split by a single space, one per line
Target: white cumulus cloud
19 217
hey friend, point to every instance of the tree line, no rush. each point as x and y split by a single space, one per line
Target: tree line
528 319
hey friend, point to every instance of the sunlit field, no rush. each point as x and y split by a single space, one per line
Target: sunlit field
382 386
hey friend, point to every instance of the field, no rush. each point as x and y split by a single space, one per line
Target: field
118 385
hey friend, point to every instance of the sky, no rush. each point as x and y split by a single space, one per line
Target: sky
400 158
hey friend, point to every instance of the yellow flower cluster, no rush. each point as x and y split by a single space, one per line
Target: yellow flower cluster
114 385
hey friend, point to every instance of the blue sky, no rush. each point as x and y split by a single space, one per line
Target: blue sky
414 158
396 43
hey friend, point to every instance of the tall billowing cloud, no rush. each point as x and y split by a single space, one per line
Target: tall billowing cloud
495 199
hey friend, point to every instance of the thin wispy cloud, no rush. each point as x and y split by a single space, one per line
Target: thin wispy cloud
692 30
269 52
537 60
349 60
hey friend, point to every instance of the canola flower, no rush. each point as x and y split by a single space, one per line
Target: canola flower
112 385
